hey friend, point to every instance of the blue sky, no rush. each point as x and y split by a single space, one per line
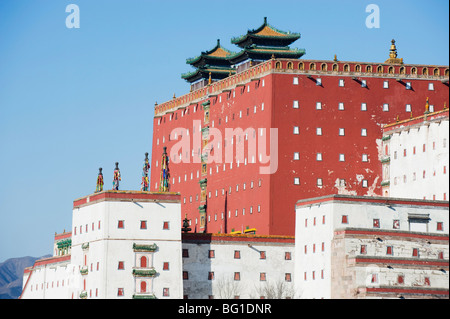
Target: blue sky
74 100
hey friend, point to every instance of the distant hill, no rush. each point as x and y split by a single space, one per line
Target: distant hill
11 275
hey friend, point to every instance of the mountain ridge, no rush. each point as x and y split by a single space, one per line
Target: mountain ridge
11 275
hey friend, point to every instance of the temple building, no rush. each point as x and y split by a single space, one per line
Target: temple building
274 177
244 149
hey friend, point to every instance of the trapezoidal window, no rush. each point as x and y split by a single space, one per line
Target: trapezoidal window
418 222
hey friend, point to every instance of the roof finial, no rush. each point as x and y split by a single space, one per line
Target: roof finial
174 95
218 42
265 20
335 58
99 186
209 80
393 55
427 106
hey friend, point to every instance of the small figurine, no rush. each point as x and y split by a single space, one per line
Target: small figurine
99 186
144 183
116 178
164 179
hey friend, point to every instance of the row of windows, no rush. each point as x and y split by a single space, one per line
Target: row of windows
237 276
341 106
414 176
414 150
319 157
390 251
313 246
395 223
341 182
48 285
407 85
236 214
319 131
120 225
400 279
313 275
237 254
143 224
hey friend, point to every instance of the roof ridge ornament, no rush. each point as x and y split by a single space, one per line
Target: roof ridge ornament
393 55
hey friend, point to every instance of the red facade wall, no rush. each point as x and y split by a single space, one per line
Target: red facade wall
276 194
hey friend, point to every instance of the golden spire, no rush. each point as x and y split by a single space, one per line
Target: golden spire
427 107
393 55
174 95
335 58
209 80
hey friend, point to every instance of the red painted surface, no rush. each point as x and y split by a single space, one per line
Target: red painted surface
277 195
63 235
